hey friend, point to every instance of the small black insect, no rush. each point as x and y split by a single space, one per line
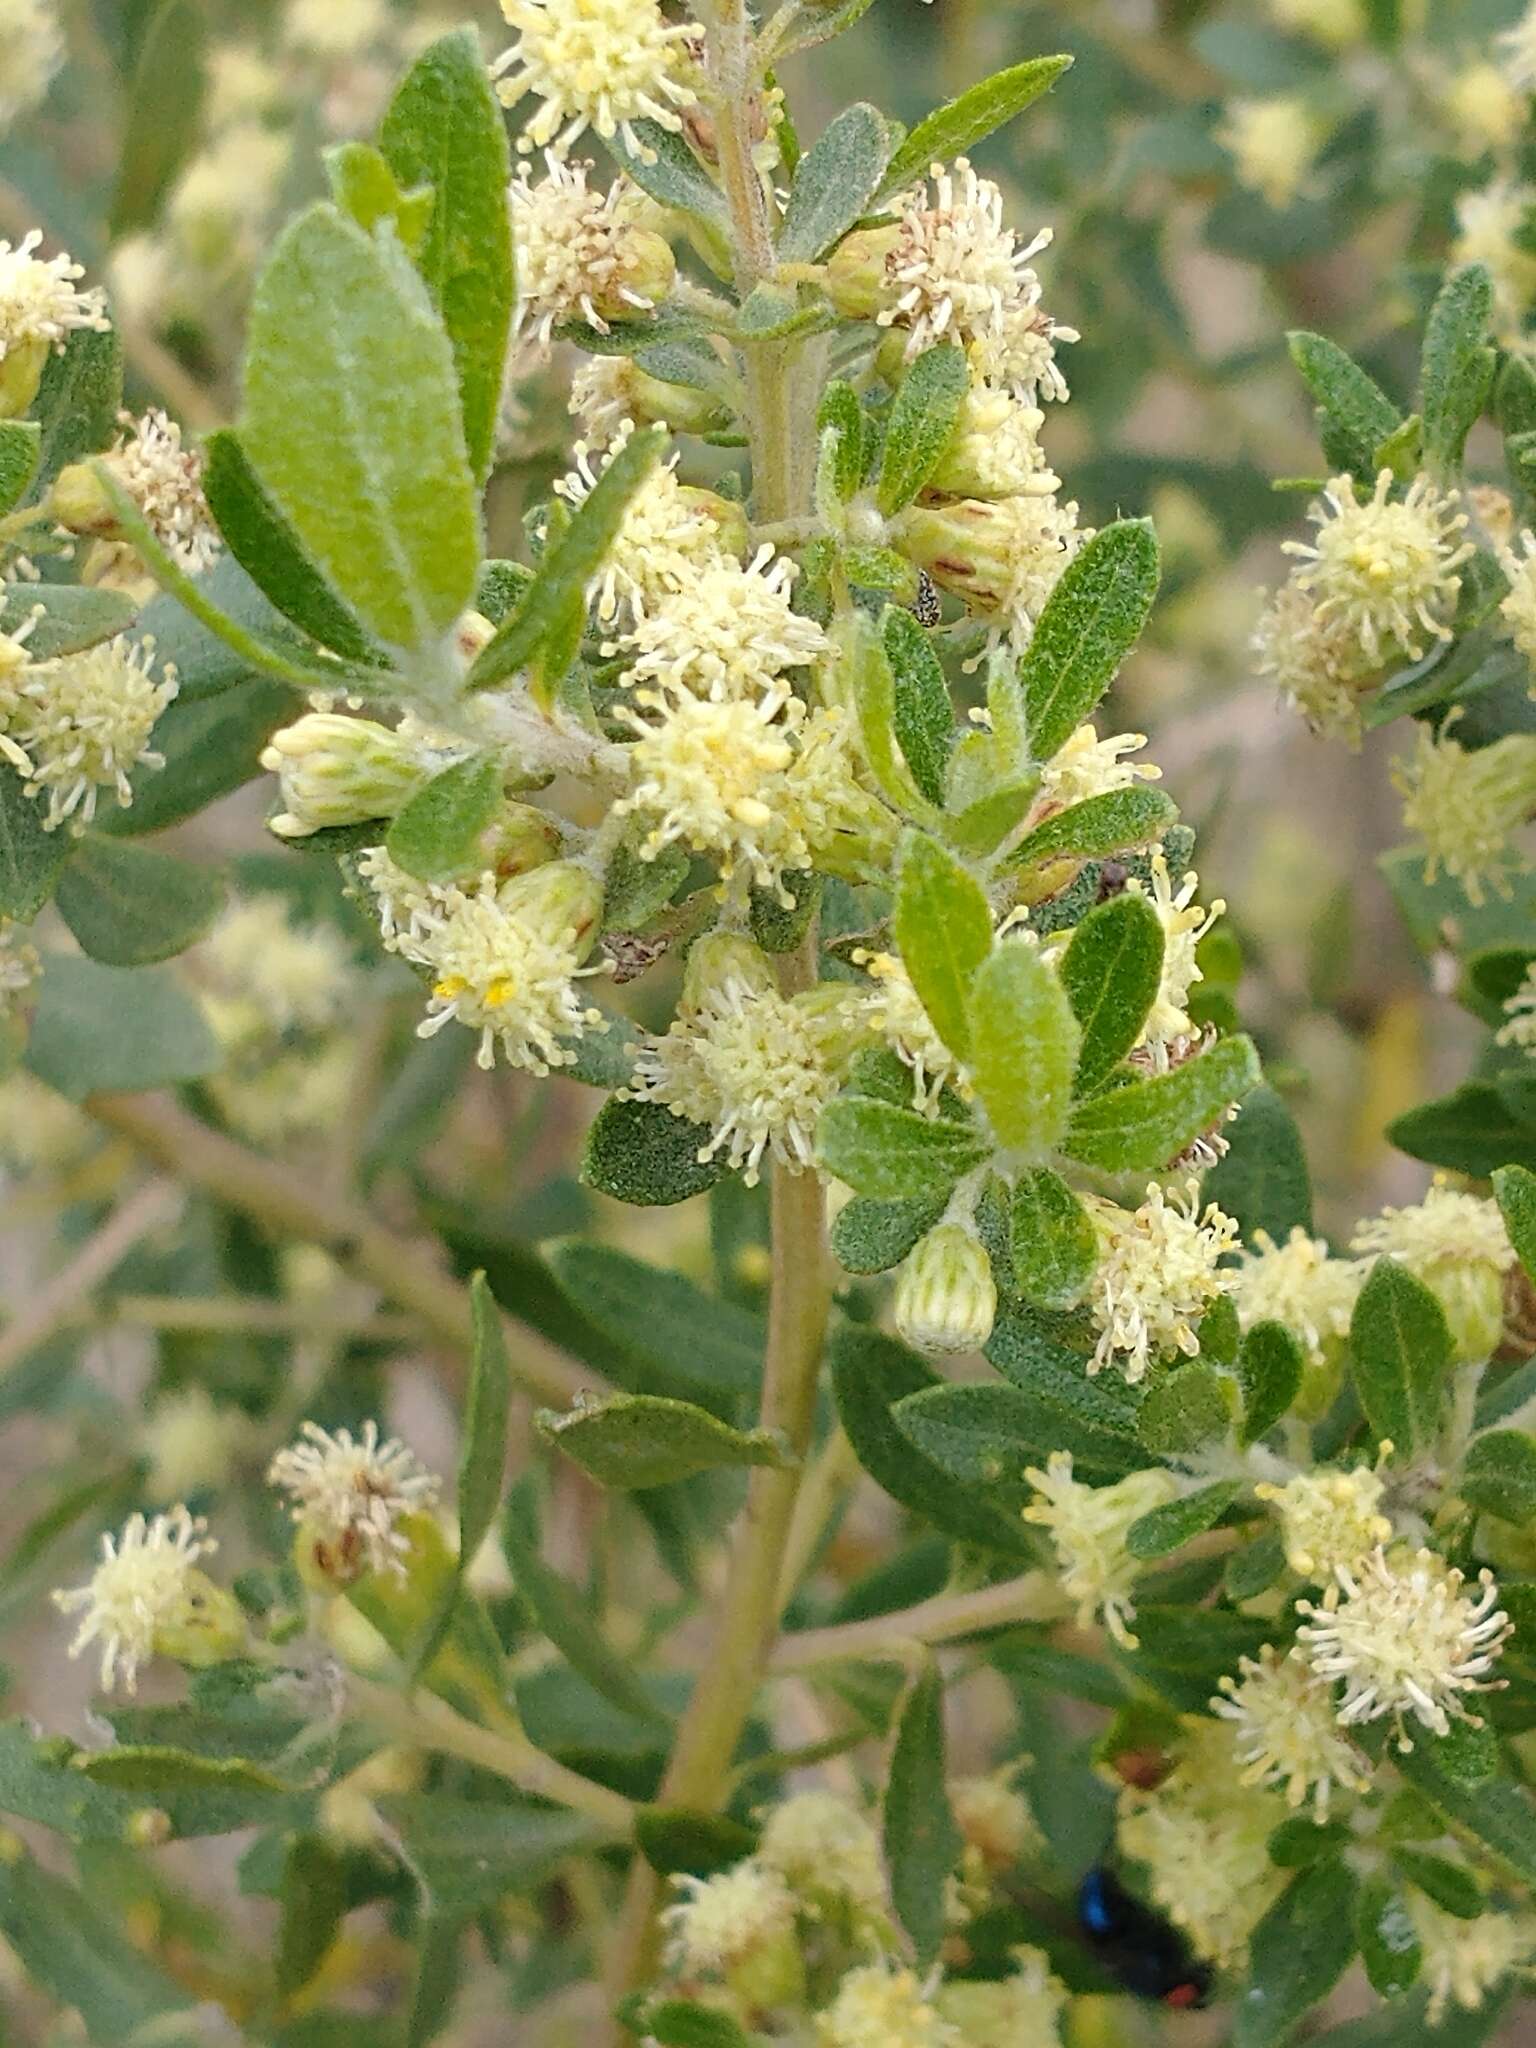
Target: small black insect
926 608
1139 1949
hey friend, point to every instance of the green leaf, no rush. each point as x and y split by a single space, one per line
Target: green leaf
1187 1408
680 1839
1111 971
639 1152
266 547
1470 1130
928 402
165 103
1298 1952
78 402
870 1374
1024 1042
1090 622
922 1842
678 2023
314 1903
1145 1125
569 566
1269 1367
984 1436
467 1853
1166 1528
1384 1935
1354 414
667 168
21 444
891 1154
866 679
1452 1886
1054 1246
34 1786
352 425
76 1954
943 926
30 858
833 183
560 1611
1456 373
1262 1180
1401 1350
953 129
129 906
437 835
839 408
483 1454
661 1318
871 1237
1500 1475
1497 1814
638 1440
1100 825
1515 1189
445 129
66 616
775 928
1255 1567
363 185
922 715
99 1028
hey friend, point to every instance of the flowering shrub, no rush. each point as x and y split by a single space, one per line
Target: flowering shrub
759 789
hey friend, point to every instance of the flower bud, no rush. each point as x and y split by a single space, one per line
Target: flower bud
729 517
994 451
334 770
646 400
80 503
148 1828
946 1298
648 271
718 962
21 372
770 1975
857 279
517 840
208 1626
995 556
561 896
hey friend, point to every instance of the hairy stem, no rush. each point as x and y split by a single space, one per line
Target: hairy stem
1033 1596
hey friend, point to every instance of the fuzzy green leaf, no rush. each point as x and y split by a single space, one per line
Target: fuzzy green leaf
661 1318
1298 1952
1269 1366
1111 822
678 2022
1091 621
1189 1407
437 834
1456 373
483 1455
1111 971
78 402
21 444
1166 1528
1054 1246
943 926
1452 1886
922 419
638 1440
98 1028
570 564
129 906
868 681
922 714
1500 1475
639 1152
445 129
66 616
891 1154
667 168
1515 1188
922 1842
953 129
314 1903
839 408
984 1436
363 185
353 426
1499 1815
1024 1041
833 183
1144 1126
75 1952
871 1237
681 1839
30 858
1354 414
1262 1181
1401 1351
1384 1935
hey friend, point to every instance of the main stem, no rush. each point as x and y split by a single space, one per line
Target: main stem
782 443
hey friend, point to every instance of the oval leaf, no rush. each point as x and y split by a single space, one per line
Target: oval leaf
129 906
1111 972
833 183
1145 1125
639 1440
1091 621
1401 1350
943 926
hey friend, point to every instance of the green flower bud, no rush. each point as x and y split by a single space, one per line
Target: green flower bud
148 1828
946 1298
207 1627
717 962
649 268
334 770
21 372
857 280
771 1975
562 895
519 839
1001 558
80 504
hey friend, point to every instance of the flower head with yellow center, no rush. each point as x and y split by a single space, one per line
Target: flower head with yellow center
1088 1527
1456 1243
1328 1519
825 1848
141 1587
505 959
599 64
1086 766
960 273
31 52
1465 1961
669 535
1286 1732
1298 1284
40 303
994 1818
1158 1271
1316 660
1021 2010
1403 1639
721 1919
881 2005
1386 567
350 1494
580 253
1185 923
1203 1835
76 726
1484 108
728 632
755 1067
1517 608
1466 804
1272 144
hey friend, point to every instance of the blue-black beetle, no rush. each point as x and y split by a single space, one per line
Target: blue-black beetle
1140 1950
